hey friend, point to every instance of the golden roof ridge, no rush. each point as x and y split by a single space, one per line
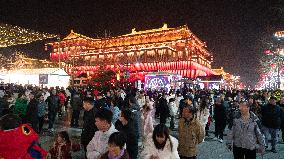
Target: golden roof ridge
73 35
163 28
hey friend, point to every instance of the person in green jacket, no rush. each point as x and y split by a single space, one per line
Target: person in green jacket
20 108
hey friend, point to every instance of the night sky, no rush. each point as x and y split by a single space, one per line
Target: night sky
234 30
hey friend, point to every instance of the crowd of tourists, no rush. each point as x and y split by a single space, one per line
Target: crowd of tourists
116 121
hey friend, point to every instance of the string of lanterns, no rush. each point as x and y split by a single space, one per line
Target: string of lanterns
14 35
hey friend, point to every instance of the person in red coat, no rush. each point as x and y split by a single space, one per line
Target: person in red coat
62 99
63 147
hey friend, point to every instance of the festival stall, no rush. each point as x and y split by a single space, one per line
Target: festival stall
161 80
50 77
210 82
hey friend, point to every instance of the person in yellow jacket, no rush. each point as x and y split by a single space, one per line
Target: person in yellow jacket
191 133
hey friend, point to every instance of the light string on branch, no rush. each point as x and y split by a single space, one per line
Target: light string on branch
14 35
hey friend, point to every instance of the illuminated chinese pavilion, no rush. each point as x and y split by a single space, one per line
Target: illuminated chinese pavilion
175 50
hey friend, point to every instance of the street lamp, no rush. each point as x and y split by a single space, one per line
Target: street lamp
280 53
59 52
73 63
279 65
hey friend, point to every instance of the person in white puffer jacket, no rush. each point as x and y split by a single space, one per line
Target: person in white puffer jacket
147 121
98 145
141 100
173 112
160 145
202 113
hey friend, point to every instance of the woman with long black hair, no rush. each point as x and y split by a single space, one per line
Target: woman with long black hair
160 145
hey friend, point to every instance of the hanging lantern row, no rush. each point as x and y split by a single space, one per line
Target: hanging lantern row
80 51
184 68
279 34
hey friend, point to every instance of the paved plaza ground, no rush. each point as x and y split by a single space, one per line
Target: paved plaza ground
209 149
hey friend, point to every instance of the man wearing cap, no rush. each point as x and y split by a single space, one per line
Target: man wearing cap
191 133
186 101
271 120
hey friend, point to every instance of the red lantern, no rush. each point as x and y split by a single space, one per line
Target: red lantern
187 73
151 66
273 64
155 65
145 66
268 52
142 66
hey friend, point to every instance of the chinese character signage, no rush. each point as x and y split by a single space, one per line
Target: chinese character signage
43 78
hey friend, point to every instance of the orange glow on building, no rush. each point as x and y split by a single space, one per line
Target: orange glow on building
279 34
175 50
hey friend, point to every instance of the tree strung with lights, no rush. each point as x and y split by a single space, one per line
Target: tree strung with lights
104 78
14 35
271 68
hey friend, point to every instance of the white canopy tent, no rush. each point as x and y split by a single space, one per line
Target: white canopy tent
55 77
